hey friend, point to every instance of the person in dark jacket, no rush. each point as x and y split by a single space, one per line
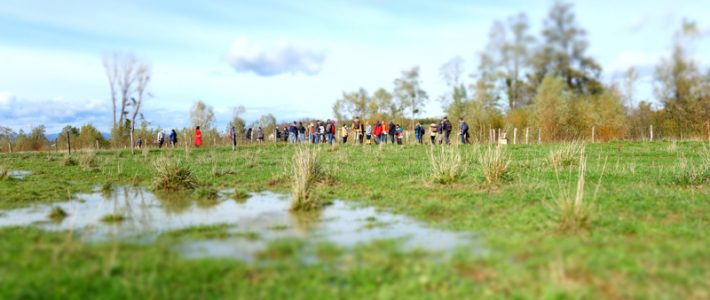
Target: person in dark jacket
173 138
293 133
392 131
301 132
463 131
248 134
419 132
446 130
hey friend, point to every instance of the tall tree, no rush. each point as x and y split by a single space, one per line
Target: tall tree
408 92
37 140
382 107
453 101
352 104
202 115
562 53
680 86
551 108
142 78
509 52
237 121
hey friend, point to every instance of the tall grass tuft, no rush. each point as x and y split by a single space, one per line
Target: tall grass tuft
4 174
695 174
495 164
306 172
446 163
87 160
571 212
172 175
565 155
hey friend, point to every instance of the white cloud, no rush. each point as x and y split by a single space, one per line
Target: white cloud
5 98
246 56
19 113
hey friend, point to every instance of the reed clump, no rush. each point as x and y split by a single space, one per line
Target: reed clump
306 171
565 155
495 164
172 175
446 164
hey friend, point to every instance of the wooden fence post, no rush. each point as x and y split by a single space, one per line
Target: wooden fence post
526 135
651 132
68 143
9 146
593 133
97 144
515 135
539 136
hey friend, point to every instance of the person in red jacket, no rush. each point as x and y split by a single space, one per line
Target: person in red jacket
198 137
378 132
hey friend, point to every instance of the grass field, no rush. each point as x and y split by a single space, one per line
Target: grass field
640 228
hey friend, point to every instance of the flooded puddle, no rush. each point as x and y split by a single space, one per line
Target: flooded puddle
250 224
18 174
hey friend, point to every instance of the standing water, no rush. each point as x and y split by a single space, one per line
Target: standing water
264 217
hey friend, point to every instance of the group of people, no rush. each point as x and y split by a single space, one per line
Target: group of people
359 132
327 132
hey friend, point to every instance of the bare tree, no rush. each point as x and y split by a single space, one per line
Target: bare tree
128 79
202 115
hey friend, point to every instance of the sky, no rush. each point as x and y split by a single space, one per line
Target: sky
289 58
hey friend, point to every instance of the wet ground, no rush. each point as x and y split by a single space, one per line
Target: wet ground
251 224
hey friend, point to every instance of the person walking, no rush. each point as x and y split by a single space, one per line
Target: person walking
357 130
368 133
321 132
419 132
301 132
293 133
344 133
446 130
233 138
399 133
433 131
248 135
463 131
260 135
392 131
312 133
385 131
198 137
378 133
161 138
173 138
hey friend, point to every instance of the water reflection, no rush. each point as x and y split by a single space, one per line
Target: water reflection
251 224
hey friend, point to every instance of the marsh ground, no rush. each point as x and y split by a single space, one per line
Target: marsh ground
646 238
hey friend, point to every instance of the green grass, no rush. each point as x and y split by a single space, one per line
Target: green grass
647 238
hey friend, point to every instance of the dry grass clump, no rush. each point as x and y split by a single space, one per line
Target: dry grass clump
446 163
172 175
695 174
495 164
570 211
87 159
69 161
306 172
4 174
566 155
